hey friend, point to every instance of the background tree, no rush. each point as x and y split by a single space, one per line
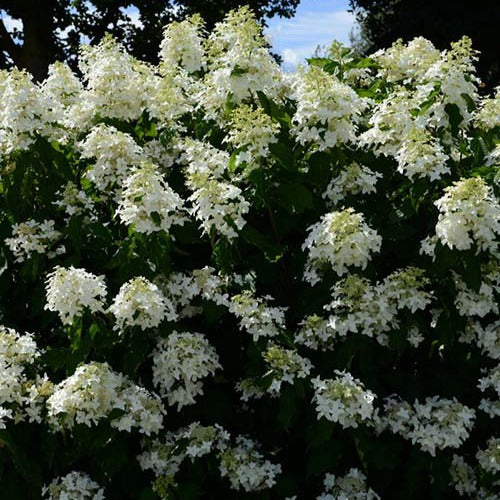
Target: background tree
384 21
53 29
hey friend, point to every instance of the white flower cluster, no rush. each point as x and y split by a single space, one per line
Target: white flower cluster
73 486
140 303
352 486
406 289
343 400
113 154
31 237
165 457
181 290
218 205
491 381
390 122
437 423
242 463
425 82
421 155
62 90
94 391
251 133
283 365
488 115
117 85
20 397
469 215
182 45
71 290
256 317
202 158
489 459
148 203
357 306
246 468
179 363
25 112
240 64
487 337
463 477
315 332
354 180
471 303
327 110
407 63
339 240
75 201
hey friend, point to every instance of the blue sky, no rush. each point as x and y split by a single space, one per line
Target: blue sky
316 22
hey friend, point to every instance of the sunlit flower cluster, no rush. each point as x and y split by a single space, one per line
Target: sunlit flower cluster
332 232
148 203
338 241
94 392
469 215
72 290
327 110
139 303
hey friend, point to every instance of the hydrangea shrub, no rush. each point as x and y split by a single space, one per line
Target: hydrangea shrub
220 279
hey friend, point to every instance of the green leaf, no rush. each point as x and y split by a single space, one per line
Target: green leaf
238 71
294 197
455 117
272 251
283 154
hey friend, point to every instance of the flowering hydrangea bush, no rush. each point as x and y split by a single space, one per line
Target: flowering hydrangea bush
218 279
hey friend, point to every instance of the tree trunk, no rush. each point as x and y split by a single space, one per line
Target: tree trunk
37 50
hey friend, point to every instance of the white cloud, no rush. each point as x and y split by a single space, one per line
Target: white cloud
297 38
